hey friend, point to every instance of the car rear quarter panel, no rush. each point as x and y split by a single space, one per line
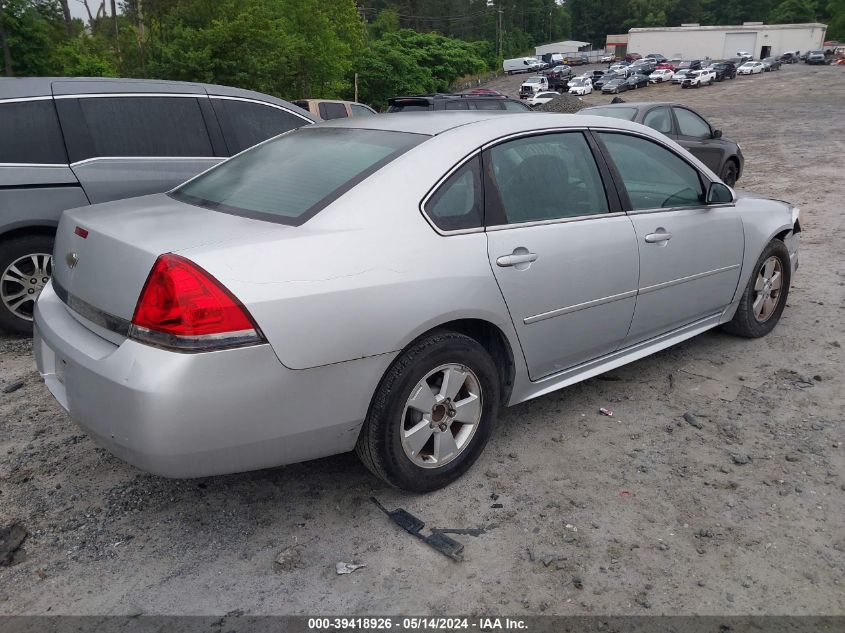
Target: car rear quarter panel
366 275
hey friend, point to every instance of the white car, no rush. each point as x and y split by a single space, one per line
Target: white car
606 59
698 78
542 97
745 56
581 86
750 68
660 75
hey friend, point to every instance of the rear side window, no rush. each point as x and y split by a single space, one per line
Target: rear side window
246 123
660 119
456 104
627 114
146 126
30 133
410 105
332 111
690 124
291 178
457 204
654 176
530 174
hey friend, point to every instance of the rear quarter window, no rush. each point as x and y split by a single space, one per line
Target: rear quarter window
30 133
247 123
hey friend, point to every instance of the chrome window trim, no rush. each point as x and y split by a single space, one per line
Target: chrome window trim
579 306
264 103
173 158
701 207
577 218
54 165
109 95
681 280
535 132
24 99
480 229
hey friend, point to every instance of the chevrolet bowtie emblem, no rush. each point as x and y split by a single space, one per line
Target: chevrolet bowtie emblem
71 259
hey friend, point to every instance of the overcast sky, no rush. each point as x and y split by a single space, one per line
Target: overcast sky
77 9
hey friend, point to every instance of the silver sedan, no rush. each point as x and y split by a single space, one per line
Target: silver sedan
387 284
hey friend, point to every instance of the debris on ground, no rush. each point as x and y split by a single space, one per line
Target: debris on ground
437 539
566 103
740 458
289 558
607 412
12 537
692 420
13 386
348 568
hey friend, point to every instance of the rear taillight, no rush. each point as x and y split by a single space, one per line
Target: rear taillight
183 307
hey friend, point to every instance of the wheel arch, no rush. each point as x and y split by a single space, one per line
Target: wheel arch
46 230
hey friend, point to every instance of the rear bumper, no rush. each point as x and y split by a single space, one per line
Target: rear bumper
193 415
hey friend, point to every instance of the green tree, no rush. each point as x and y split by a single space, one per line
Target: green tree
793 12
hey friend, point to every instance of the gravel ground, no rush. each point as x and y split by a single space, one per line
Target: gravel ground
735 508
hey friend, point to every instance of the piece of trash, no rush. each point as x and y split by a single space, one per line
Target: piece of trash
12 537
289 558
348 568
437 539
571 527
692 420
13 387
497 505
625 493
607 412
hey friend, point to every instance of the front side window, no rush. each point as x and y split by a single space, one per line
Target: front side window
545 177
246 123
359 110
291 178
457 204
692 125
456 104
30 133
487 104
146 126
516 106
654 177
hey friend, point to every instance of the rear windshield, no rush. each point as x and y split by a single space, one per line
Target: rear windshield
410 105
627 114
290 178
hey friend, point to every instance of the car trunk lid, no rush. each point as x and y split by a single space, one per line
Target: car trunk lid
103 254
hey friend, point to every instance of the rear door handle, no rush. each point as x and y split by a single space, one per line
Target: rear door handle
513 260
660 236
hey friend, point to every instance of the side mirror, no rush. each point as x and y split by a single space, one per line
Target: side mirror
719 193
717 133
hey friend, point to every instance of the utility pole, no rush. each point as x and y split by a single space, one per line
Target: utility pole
501 35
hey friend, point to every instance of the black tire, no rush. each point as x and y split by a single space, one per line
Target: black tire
744 322
730 173
379 444
11 251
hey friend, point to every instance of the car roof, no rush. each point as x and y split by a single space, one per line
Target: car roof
25 87
435 123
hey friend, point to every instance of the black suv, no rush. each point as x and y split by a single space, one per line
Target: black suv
437 102
724 70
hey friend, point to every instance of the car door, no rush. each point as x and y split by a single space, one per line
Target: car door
124 145
563 253
695 135
690 252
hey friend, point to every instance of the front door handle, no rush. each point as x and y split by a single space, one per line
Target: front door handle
516 259
660 236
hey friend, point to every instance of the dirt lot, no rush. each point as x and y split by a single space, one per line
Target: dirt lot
739 511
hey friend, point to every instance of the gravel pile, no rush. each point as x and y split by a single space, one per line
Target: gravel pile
566 103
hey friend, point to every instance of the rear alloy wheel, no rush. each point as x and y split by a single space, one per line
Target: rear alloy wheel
432 414
764 298
729 173
26 265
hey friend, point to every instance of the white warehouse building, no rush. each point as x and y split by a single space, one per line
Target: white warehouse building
693 41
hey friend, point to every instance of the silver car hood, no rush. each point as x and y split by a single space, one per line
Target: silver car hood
107 268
